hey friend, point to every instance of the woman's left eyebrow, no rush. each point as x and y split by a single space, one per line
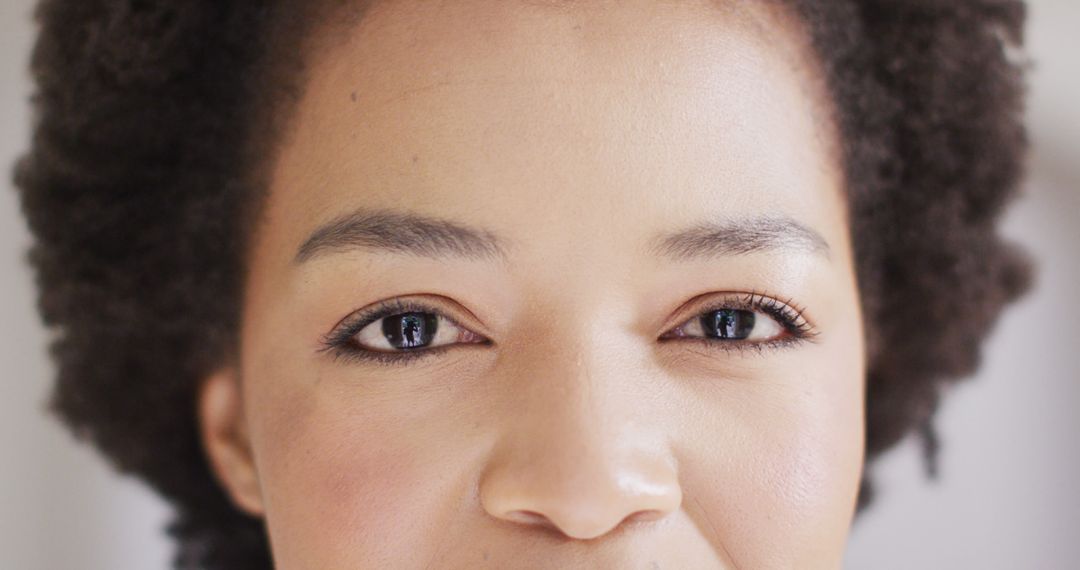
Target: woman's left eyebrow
402 232
740 236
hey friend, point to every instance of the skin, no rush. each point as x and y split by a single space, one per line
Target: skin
578 435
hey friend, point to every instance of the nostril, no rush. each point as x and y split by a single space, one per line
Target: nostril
575 528
528 517
645 516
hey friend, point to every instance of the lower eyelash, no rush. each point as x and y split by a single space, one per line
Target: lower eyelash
402 357
744 346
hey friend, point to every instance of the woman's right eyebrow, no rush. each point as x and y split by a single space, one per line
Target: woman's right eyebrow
402 232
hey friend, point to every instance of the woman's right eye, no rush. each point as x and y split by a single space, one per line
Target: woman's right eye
397 332
410 331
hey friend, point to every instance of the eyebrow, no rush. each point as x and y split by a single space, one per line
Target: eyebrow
740 237
402 232
425 236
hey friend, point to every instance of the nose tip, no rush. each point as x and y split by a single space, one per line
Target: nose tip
580 507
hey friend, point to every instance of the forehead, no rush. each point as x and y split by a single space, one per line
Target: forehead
626 117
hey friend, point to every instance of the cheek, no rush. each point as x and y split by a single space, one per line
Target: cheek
775 470
334 476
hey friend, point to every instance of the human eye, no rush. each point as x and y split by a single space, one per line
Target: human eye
397 332
744 321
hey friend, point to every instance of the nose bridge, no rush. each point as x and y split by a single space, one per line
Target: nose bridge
577 453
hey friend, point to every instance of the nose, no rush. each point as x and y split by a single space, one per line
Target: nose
577 485
579 456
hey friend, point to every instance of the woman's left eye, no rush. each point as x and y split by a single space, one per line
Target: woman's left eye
731 324
746 323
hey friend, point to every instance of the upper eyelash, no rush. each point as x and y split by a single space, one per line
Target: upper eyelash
338 340
787 313
790 316
355 322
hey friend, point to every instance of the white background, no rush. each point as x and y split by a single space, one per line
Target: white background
1010 465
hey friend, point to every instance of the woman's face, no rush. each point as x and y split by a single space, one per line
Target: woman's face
560 285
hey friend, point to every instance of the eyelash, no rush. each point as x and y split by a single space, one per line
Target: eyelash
339 341
790 317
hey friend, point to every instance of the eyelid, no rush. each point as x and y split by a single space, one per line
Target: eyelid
720 299
388 307
339 338
801 327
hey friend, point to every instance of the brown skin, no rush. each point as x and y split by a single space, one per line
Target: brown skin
579 435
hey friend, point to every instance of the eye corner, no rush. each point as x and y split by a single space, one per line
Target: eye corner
812 335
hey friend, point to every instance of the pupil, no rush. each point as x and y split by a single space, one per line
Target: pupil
410 330
733 324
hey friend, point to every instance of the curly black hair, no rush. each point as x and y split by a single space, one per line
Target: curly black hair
150 130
